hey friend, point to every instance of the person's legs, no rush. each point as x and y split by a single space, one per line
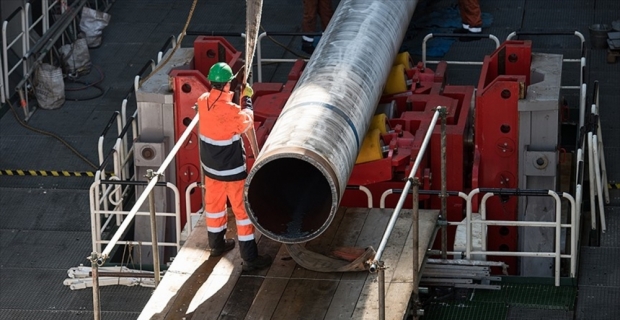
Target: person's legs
245 229
326 11
471 15
308 25
216 218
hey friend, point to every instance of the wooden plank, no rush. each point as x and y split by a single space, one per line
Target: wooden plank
181 275
351 284
286 290
220 285
272 286
277 279
185 277
309 293
402 281
248 284
367 305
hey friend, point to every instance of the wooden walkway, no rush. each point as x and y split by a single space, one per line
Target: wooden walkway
196 287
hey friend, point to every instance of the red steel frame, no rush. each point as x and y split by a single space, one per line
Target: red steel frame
492 161
504 77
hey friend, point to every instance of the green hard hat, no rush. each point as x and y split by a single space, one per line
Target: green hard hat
220 72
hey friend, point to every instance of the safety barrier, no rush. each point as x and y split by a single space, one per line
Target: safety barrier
7 44
98 257
597 168
33 56
452 35
469 222
376 265
581 60
103 188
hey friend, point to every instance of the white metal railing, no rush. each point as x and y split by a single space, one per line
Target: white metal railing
2 88
97 191
451 35
98 257
596 165
27 25
259 52
376 265
8 43
39 49
120 155
469 222
557 224
581 60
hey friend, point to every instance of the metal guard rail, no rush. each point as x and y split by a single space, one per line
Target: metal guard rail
97 228
574 225
451 35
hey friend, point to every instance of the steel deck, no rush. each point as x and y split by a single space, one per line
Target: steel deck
44 223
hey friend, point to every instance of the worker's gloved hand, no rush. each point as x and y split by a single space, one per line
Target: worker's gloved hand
248 91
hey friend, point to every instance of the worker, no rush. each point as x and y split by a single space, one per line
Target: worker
471 17
222 157
325 11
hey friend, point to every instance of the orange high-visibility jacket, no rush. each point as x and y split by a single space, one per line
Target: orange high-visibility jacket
222 154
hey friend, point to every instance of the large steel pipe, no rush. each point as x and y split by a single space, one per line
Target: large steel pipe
295 186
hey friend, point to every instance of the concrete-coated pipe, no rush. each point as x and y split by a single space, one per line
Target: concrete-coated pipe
296 184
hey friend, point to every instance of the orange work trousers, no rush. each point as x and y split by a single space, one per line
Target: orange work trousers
216 193
313 7
470 12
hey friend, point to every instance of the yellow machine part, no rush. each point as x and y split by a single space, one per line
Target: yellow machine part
403 58
379 122
397 80
371 147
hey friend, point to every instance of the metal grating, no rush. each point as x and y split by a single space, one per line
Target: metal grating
521 313
611 238
598 303
36 289
62 210
40 249
64 314
37 152
57 210
538 296
116 298
599 266
459 310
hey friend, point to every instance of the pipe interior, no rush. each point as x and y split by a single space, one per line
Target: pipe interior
289 199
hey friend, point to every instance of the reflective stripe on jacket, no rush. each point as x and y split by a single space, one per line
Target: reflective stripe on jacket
222 154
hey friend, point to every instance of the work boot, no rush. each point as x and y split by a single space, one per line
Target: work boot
229 244
218 244
260 262
307 47
307 44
